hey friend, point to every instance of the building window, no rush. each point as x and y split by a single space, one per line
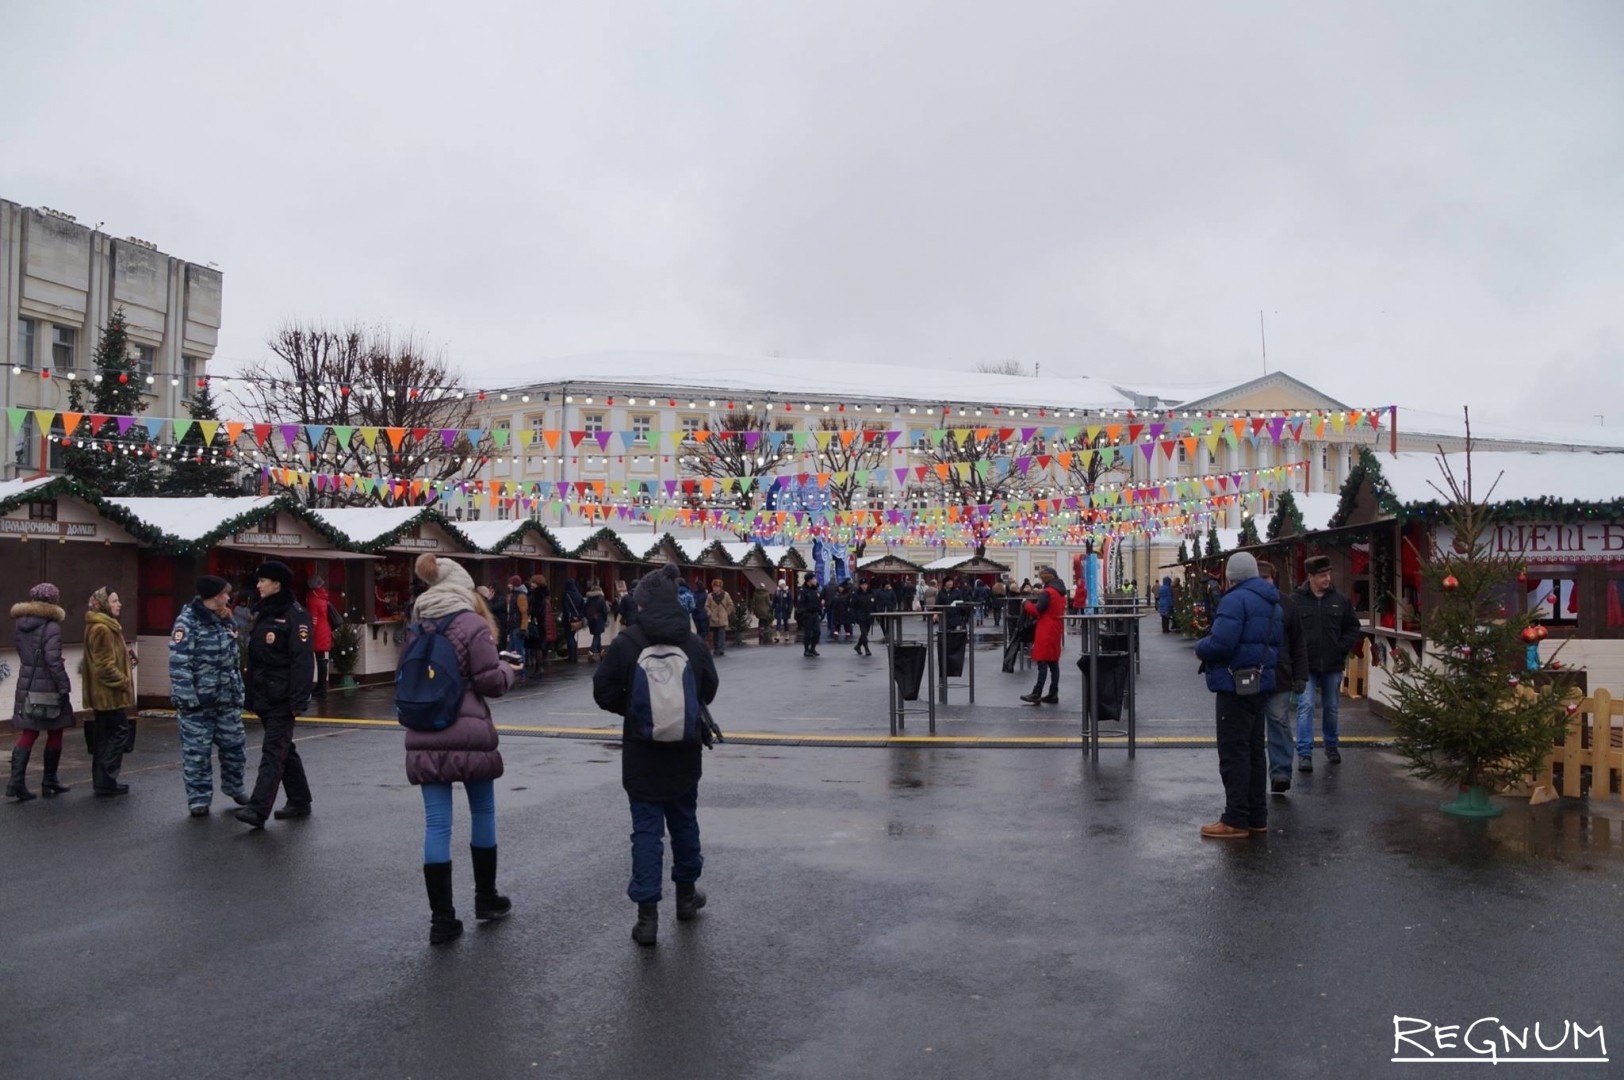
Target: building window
592 422
641 426
27 332
64 341
191 369
146 357
1552 595
42 511
690 427
1184 455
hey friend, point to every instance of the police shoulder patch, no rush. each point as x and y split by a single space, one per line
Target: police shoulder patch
304 633
179 635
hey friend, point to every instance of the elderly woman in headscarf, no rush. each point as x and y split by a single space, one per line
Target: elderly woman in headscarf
464 751
42 689
109 690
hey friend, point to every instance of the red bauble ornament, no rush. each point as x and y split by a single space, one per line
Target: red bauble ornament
1530 634
123 378
1522 579
45 373
1451 583
1571 707
1541 632
201 383
1512 680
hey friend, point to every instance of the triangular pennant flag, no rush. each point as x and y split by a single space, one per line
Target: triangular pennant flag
343 433
96 422
181 426
208 428
70 420
155 424
369 436
261 433
419 434
44 418
476 434
19 417
290 434
603 438
397 435
315 432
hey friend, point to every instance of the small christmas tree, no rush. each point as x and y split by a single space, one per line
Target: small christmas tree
1467 714
1249 536
112 462
200 465
1213 546
1184 552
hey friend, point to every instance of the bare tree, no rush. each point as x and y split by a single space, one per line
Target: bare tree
1005 367
343 386
739 446
856 446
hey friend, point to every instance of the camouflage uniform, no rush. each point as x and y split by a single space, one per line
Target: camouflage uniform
206 684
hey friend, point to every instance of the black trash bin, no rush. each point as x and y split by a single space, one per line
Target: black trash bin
1113 665
952 656
910 668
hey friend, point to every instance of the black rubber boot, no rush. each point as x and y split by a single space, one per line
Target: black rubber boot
647 930
1051 699
18 788
51 785
488 904
689 901
445 925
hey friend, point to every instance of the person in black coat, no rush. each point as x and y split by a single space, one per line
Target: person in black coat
783 608
1330 630
840 616
860 609
808 611
281 672
661 779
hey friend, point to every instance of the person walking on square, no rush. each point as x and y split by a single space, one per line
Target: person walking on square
1331 630
464 752
761 606
809 613
1164 604
1048 637
860 609
109 689
1240 657
41 702
517 622
596 611
205 683
783 608
839 604
281 668
661 778
719 608
1290 679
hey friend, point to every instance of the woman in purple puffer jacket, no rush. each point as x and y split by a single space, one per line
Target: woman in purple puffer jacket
464 752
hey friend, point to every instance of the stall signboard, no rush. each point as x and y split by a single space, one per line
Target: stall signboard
260 539
280 531
62 518
1547 541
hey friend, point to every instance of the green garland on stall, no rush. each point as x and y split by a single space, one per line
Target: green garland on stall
1286 511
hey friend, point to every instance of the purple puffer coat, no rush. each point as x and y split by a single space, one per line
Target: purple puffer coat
466 750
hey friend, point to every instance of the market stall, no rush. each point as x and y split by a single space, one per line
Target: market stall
51 532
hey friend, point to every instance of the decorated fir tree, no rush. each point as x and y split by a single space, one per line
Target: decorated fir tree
202 463
1286 511
116 455
1468 713
1249 536
1213 546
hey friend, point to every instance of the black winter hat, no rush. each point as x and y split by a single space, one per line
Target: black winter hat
272 570
209 586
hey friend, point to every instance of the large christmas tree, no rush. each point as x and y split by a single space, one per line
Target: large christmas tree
202 465
1469 713
111 461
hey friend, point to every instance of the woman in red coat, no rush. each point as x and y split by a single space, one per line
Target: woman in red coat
1049 608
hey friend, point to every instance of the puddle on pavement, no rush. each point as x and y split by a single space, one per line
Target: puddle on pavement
1569 832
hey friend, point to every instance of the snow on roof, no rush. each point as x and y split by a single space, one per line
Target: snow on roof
363 524
571 537
10 489
1568 475
694 546
485 535
191 519
1318 507
821 380
1421 422
776 553
1176 393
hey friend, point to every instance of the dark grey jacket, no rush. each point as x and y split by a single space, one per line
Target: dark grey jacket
1330 628
39 662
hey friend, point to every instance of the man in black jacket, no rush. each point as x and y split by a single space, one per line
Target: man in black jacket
1290 679
808 612
281 669
661 778
1330 631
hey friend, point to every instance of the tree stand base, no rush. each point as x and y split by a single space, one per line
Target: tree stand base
1472 803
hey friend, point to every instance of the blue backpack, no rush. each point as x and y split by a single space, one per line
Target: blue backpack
428 682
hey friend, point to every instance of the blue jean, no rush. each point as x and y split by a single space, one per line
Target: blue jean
1326 687
650 820
1280 709
516 641
437 818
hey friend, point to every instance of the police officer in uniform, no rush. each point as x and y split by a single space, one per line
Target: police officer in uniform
281 669
206 684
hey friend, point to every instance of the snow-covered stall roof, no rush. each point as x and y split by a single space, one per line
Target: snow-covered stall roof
870 560
1318 507
11 489
968 563
367 524
488 536
193 519
1567 476
819 380
572 538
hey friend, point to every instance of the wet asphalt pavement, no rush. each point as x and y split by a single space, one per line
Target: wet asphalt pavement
891 912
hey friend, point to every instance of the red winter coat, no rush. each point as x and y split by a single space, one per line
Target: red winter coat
321 622
1049 609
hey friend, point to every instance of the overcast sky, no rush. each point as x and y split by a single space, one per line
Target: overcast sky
1427 199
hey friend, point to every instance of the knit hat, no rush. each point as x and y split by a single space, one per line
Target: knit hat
1242 566
317 581
275 571
1316 564
45 593
515 580
209 586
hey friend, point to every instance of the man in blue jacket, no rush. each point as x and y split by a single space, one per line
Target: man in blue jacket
1239 657
205 682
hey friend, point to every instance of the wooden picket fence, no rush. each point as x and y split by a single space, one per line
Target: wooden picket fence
1594 740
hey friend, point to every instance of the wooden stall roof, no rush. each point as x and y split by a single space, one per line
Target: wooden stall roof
965 564
502 537
888 564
